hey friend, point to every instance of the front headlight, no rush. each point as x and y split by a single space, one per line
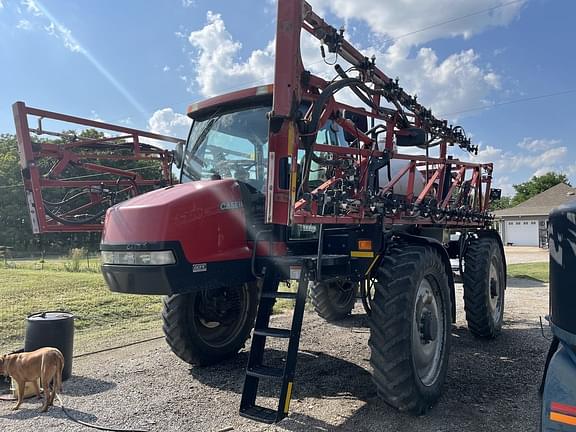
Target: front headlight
138 258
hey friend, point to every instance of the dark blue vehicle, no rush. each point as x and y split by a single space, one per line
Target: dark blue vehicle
559 382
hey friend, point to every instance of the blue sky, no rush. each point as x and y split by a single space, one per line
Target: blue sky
141 63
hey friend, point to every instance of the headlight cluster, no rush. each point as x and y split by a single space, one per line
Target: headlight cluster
138 258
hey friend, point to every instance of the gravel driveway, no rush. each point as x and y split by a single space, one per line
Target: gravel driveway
525 254
491 385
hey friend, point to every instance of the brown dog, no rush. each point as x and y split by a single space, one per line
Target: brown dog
44 363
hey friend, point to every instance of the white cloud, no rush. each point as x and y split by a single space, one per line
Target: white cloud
166 68
1 5
505 184
24 24
32 7
188 3
216 67
538 162
402 20
540 157
95 116
64 34
537 144
447 85
53 28
167 122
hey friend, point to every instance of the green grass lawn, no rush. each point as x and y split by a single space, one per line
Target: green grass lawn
537 271
92 264
97 311
104 318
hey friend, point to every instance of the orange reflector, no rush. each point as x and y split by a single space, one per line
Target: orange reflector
563 418
365 245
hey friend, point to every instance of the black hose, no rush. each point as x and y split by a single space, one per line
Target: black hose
92 425
63 221
309 136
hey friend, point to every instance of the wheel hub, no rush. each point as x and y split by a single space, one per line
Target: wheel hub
428 326
494 291
427 333
220 314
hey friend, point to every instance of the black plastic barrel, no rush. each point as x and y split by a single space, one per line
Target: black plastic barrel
562 244
52 329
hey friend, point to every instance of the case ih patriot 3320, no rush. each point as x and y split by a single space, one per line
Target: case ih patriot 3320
284 182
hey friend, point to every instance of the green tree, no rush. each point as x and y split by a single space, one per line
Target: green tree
536 185
14 218
502 203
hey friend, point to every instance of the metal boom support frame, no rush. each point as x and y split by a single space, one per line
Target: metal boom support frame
69 181
455 192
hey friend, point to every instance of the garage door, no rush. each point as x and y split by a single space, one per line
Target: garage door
522 233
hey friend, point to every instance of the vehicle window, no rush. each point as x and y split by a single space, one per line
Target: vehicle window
231 145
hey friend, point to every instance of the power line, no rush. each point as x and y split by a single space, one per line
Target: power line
451 20
510 102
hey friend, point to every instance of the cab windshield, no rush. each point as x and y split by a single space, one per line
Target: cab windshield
230 145
235 145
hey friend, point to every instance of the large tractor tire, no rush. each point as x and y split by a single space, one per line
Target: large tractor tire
333 299
206 327
410 327
484 282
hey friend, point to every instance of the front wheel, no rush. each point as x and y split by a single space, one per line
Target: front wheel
410 327
206 327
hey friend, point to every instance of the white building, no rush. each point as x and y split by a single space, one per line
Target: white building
527 223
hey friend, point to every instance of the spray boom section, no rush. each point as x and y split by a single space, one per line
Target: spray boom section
394 163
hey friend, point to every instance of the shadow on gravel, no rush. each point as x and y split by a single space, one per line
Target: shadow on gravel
356 320
524 282
33 412
78 386
318 375
491 385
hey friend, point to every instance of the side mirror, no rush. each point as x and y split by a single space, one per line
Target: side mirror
411 137
495 194
361 122
178 154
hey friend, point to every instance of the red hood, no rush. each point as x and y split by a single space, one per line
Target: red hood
206 217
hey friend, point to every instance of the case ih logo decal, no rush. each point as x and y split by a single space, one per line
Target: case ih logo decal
231 205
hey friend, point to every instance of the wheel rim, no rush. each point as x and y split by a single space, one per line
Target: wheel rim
494 294
218 316
428 332
341 292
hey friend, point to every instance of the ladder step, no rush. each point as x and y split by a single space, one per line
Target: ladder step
259 413
280 294
261 371
273 332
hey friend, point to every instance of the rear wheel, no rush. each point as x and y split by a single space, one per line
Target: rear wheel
484 285
205 327
410 328
333 299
